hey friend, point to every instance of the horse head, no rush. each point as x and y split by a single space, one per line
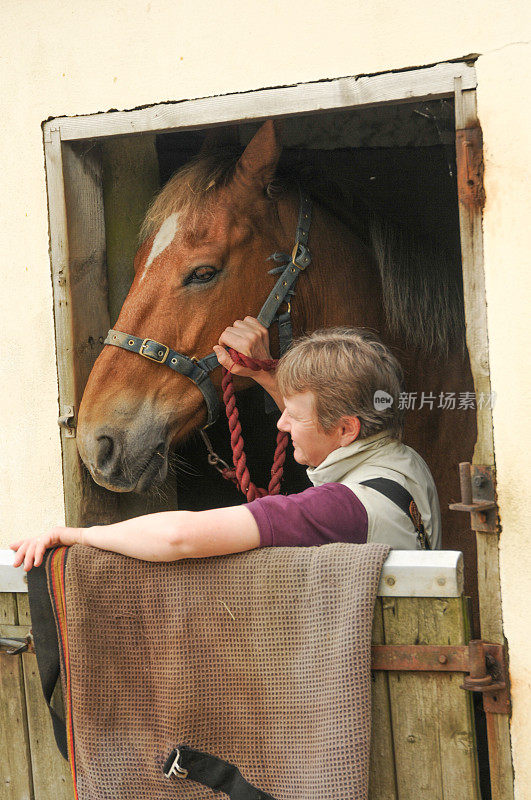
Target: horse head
201 265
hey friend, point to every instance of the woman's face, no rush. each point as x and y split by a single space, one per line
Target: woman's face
311 443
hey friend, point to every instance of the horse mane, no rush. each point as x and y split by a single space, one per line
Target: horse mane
192 189
421 286
421 281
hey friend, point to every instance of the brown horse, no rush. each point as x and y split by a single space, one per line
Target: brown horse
203 264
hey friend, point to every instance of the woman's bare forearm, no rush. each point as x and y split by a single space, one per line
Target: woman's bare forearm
172 535
153 537
166 536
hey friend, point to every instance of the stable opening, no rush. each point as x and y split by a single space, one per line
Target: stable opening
396 159
395 163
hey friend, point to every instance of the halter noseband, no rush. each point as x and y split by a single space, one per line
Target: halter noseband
198 370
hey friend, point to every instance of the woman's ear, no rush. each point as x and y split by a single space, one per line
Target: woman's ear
349 429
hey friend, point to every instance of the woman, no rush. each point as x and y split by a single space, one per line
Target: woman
338 390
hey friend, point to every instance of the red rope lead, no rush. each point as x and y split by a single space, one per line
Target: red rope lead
241 474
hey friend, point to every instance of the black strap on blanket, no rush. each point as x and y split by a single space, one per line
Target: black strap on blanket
402 498
185 763
46 646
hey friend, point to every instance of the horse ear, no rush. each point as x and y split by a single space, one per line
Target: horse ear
258 162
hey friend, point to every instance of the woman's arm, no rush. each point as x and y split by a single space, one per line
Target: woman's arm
167 536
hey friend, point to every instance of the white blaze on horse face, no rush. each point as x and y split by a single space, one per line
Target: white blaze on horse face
163 239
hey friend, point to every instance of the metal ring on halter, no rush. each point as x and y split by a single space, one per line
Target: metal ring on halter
213 459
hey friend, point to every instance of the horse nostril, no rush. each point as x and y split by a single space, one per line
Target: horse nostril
104 451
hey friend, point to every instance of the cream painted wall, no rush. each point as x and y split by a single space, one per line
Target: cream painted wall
59 58
507 239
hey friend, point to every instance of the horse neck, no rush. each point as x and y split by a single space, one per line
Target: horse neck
342 285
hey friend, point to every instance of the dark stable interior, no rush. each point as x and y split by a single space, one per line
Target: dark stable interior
396 161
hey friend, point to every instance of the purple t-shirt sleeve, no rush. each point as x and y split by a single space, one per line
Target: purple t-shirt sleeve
319 515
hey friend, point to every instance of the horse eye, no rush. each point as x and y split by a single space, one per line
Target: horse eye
201 275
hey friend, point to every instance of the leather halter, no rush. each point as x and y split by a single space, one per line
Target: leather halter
199 369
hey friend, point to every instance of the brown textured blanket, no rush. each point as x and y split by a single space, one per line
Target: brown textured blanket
261 659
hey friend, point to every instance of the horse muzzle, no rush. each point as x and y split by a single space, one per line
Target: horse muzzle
123 461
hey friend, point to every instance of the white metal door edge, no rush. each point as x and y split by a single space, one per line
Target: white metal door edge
415 573
406 573
11 579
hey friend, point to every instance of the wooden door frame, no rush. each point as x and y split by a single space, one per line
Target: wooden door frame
469 154
77 236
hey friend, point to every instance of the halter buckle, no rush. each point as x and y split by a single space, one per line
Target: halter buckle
154 351
300 255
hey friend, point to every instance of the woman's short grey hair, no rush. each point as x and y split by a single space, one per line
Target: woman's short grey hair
351 373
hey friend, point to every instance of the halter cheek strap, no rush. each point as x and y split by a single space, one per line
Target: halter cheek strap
198 370
300 259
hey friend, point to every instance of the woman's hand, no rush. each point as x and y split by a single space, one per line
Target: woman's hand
31 551
250 338
247 336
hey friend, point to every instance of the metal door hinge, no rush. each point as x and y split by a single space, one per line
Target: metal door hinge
484 664
478 497
15 639
67 421
487 674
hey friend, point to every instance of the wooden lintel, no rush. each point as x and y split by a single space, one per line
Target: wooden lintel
348 92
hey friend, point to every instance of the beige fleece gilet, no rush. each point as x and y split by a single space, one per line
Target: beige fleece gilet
381 456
